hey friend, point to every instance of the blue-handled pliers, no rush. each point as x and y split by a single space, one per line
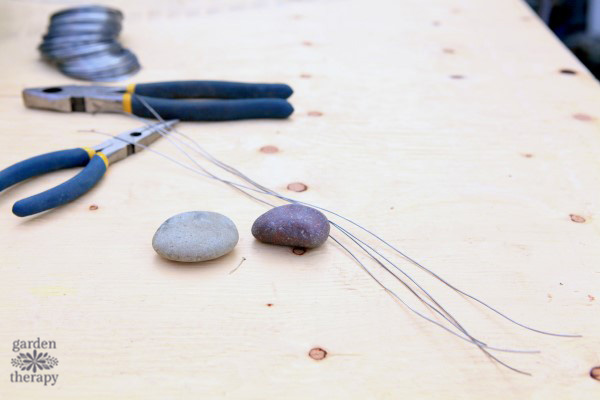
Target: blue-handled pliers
183 100
95 161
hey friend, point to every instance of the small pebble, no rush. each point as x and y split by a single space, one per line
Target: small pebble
195 236
292 225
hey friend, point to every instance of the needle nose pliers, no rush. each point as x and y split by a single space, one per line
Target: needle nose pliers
95 161
183 100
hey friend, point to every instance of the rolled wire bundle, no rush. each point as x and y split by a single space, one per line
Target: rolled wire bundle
83 43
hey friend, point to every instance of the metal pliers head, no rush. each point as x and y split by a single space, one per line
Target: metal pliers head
134 141
75 98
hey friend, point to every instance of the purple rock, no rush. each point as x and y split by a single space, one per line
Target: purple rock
292 225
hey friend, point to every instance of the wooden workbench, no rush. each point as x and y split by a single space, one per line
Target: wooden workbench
445 126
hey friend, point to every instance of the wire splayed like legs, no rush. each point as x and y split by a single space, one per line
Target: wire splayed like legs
370 254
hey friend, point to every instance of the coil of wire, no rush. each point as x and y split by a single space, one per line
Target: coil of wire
83 43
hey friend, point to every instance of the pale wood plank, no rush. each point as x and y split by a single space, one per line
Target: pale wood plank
435 164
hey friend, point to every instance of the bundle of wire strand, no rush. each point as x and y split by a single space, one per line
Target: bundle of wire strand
385 263
83 43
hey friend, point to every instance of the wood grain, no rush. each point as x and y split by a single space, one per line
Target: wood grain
446 127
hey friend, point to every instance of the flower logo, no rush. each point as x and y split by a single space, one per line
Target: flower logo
35 361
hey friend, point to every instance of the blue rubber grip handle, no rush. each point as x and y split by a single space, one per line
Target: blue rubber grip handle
213 90
63 193
41 164
211 110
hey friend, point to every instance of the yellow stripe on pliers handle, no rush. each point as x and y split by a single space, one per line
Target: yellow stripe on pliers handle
103 157
127 103
91 153
129 90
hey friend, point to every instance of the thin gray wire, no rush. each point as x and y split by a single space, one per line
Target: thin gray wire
481 347
238 186
236 172
263 190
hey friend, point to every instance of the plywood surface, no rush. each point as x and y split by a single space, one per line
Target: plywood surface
445 126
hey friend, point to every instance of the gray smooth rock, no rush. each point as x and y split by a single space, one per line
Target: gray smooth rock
292 225
195 236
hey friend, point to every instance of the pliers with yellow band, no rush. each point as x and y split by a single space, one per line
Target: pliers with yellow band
183 100
95 161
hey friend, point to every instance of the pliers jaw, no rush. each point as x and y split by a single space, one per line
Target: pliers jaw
75 98
124 145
